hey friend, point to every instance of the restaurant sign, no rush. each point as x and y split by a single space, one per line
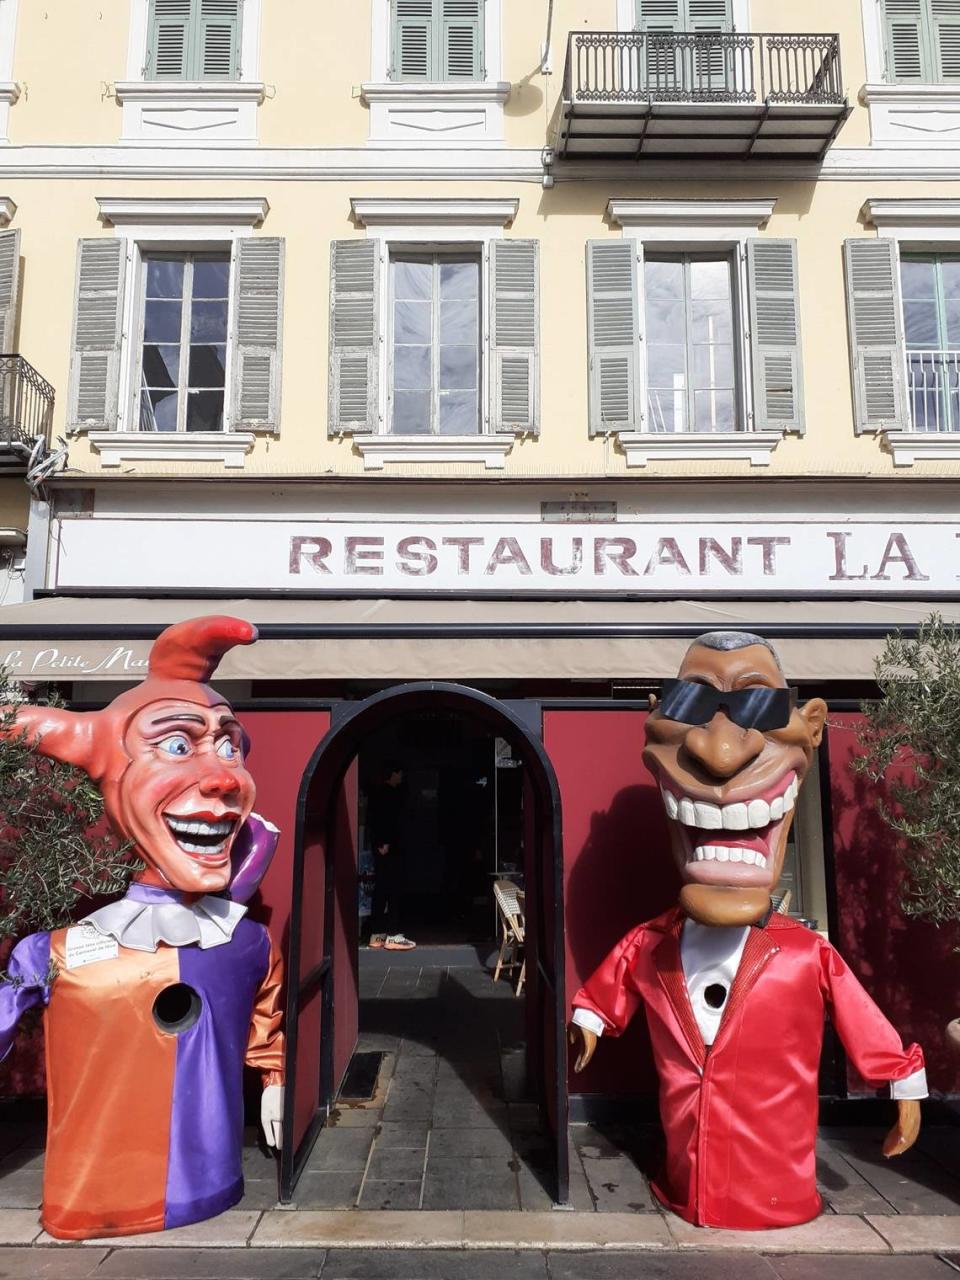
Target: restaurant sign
639 557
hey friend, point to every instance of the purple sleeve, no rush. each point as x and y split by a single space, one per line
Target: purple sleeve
26 985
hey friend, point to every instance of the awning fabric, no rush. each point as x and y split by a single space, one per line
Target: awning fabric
95 638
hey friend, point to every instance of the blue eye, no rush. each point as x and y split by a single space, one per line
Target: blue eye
227 751
176 745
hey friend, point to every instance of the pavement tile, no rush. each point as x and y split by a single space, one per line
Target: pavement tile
913 1183
340 1149
49 1264
558 1230
617 1185
22 1190
347 1117
19 1226
330 1190
21 1159
467 1144
661 1266
844 1190
470 1114
833 1233
397 1164
228 1230
402 1133
426 1048
483 1183
919 1233
414 1230
854 1268
438 1264
394 1194
212 1264
259 1193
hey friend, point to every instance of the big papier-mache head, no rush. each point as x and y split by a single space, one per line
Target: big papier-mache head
730 749
168 756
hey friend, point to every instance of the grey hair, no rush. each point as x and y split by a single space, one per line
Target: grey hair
728 641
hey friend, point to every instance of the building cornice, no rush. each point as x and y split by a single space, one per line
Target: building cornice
378 450
722 214
374 211
642 447
189 91
210 211
908 447
116 447
932 213
407 91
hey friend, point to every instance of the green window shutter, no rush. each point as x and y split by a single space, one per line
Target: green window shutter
946 39
97 333
905 24
709 15
258 322
872 269
171 40
414 40
9 289
354 336
613 335
218 52
515 335
775 334
660 15
462 36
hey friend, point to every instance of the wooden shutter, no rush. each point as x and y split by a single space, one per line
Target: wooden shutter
171 39
872 269
613 335
258 324
906 43
946 39
414 40
354 335
462 35
515 335
773 289
97 333
9 289
660 15
219 40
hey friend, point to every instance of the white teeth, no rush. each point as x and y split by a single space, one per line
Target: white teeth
687 814
735 817
749 857
708 816
758 813
788 796
736 855
723 853
670 803
776 809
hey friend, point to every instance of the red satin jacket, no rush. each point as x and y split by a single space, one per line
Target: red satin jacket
741 1119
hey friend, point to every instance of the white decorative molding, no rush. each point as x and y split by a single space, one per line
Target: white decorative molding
910 115
9 89
755 447
7 209
378 450
117 447
428 91
904 219
189 113
436 114
380 211
721 219
906 447
183 211
176 91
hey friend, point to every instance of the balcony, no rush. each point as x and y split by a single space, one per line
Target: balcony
933 390
26 414
717 95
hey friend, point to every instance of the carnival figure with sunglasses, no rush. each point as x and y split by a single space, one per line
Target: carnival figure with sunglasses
735 993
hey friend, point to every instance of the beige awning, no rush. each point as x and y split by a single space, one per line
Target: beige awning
89 638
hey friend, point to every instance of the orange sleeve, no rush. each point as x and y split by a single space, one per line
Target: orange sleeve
265 1044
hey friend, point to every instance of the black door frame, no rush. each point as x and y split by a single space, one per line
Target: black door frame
521 723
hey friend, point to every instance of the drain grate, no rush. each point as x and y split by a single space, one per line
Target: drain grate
360 1082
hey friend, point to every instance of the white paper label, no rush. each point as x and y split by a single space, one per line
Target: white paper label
86 945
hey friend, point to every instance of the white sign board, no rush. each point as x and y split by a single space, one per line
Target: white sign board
638 557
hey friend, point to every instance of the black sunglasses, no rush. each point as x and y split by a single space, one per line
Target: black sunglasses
760 708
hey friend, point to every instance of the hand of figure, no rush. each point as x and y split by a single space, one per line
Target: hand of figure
906 1131
587 1042
271 1115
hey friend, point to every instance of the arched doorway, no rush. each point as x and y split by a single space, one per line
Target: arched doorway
322 992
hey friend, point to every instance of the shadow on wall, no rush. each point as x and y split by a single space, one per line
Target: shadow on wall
908 966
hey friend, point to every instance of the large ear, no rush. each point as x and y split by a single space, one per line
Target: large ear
814 713
67 736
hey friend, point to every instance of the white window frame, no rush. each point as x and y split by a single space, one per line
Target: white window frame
918 226
191 113
627 15
692 226
173 224
9 89
905 116
435 114
426 226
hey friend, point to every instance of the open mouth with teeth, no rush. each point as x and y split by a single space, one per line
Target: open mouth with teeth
733 843
202 837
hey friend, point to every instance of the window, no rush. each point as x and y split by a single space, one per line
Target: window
691 365
930 288
673 66
436 345
194 40
922 40
184 344
437 40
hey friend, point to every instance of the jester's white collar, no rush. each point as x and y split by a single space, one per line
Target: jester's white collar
147 917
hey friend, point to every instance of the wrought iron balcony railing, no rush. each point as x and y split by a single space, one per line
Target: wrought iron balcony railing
696 66
933 390
26 406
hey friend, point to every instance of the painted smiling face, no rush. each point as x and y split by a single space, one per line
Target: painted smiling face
184 794
729 771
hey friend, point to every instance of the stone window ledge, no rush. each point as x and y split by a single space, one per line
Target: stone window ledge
378 450
755 447
908 447
117 447
189 91
431 91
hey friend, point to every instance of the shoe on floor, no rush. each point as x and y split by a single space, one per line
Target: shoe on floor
397 942
376 941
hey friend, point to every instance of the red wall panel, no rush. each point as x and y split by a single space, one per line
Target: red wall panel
617 866
909 967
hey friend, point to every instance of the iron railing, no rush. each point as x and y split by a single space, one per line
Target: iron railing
26 404
698 66
933 390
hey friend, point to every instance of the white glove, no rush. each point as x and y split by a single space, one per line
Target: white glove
271 1114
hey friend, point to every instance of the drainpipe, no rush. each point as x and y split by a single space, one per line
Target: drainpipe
545 68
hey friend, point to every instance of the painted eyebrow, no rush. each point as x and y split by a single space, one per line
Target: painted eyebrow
178 719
